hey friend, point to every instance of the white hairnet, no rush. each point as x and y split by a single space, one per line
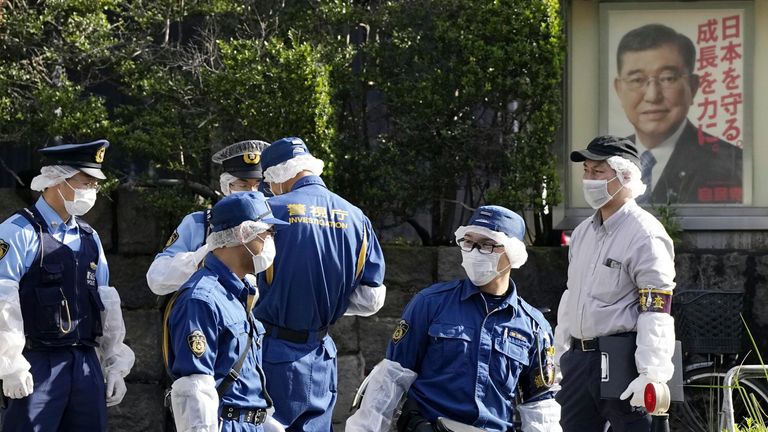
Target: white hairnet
238 149
224 181
287 170
628 173
236 236
513 247
52 175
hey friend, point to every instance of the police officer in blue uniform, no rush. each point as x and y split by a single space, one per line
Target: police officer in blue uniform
466 349
58 314
329 263
186 247
215 343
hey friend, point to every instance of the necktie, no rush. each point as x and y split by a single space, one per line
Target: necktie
647 162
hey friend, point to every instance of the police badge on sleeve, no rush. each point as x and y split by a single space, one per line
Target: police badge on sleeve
400 331
4 246
196 341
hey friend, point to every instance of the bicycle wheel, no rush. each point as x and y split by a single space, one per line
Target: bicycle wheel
703 402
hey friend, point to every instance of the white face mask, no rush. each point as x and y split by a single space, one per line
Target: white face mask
596 192
83 201
480 268
265 259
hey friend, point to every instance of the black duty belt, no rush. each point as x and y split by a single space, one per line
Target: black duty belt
244 415
295 336
585 345
36 345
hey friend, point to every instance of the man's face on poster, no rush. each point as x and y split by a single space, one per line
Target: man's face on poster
656 90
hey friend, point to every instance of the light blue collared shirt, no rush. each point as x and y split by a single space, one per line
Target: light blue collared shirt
23 243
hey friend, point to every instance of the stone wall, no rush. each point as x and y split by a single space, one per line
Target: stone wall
132 236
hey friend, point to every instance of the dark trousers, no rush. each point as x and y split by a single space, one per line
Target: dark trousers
68 394
582 410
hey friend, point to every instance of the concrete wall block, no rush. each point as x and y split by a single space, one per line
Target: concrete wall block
543 278
344 334
449 264
101 218
141 410
128 275
734 240
397 297
144 336
711 271
409 270
138 231
409 266
350 375
375 334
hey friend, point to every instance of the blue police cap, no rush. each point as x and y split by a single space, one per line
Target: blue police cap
86 157
499 219
282 150
240 207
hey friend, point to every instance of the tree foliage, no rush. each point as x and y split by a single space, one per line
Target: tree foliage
406 101
469 99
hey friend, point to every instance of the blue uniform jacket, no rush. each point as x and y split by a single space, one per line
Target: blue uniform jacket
471 363
326 252
209 329
21 243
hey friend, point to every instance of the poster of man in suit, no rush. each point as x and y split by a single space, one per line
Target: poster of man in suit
677 89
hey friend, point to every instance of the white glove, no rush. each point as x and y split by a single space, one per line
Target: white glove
18 385
115 388
636 389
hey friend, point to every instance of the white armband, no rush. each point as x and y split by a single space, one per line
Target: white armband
195 404
366 300
115 356
540 416
387 383
12 338
655 346
168 273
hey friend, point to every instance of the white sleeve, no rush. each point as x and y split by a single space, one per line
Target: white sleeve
168 273
655 346
11 330
115 356
562 330
384 387
195 404
366 300
540 416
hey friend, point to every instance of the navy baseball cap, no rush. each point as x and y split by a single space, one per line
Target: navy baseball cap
499 219
86 157
241 159
240 207
603 147
282 150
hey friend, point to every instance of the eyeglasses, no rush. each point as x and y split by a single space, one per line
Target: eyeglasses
242 186
483 247
666 81
79 184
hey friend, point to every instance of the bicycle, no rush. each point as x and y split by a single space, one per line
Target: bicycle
709 325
